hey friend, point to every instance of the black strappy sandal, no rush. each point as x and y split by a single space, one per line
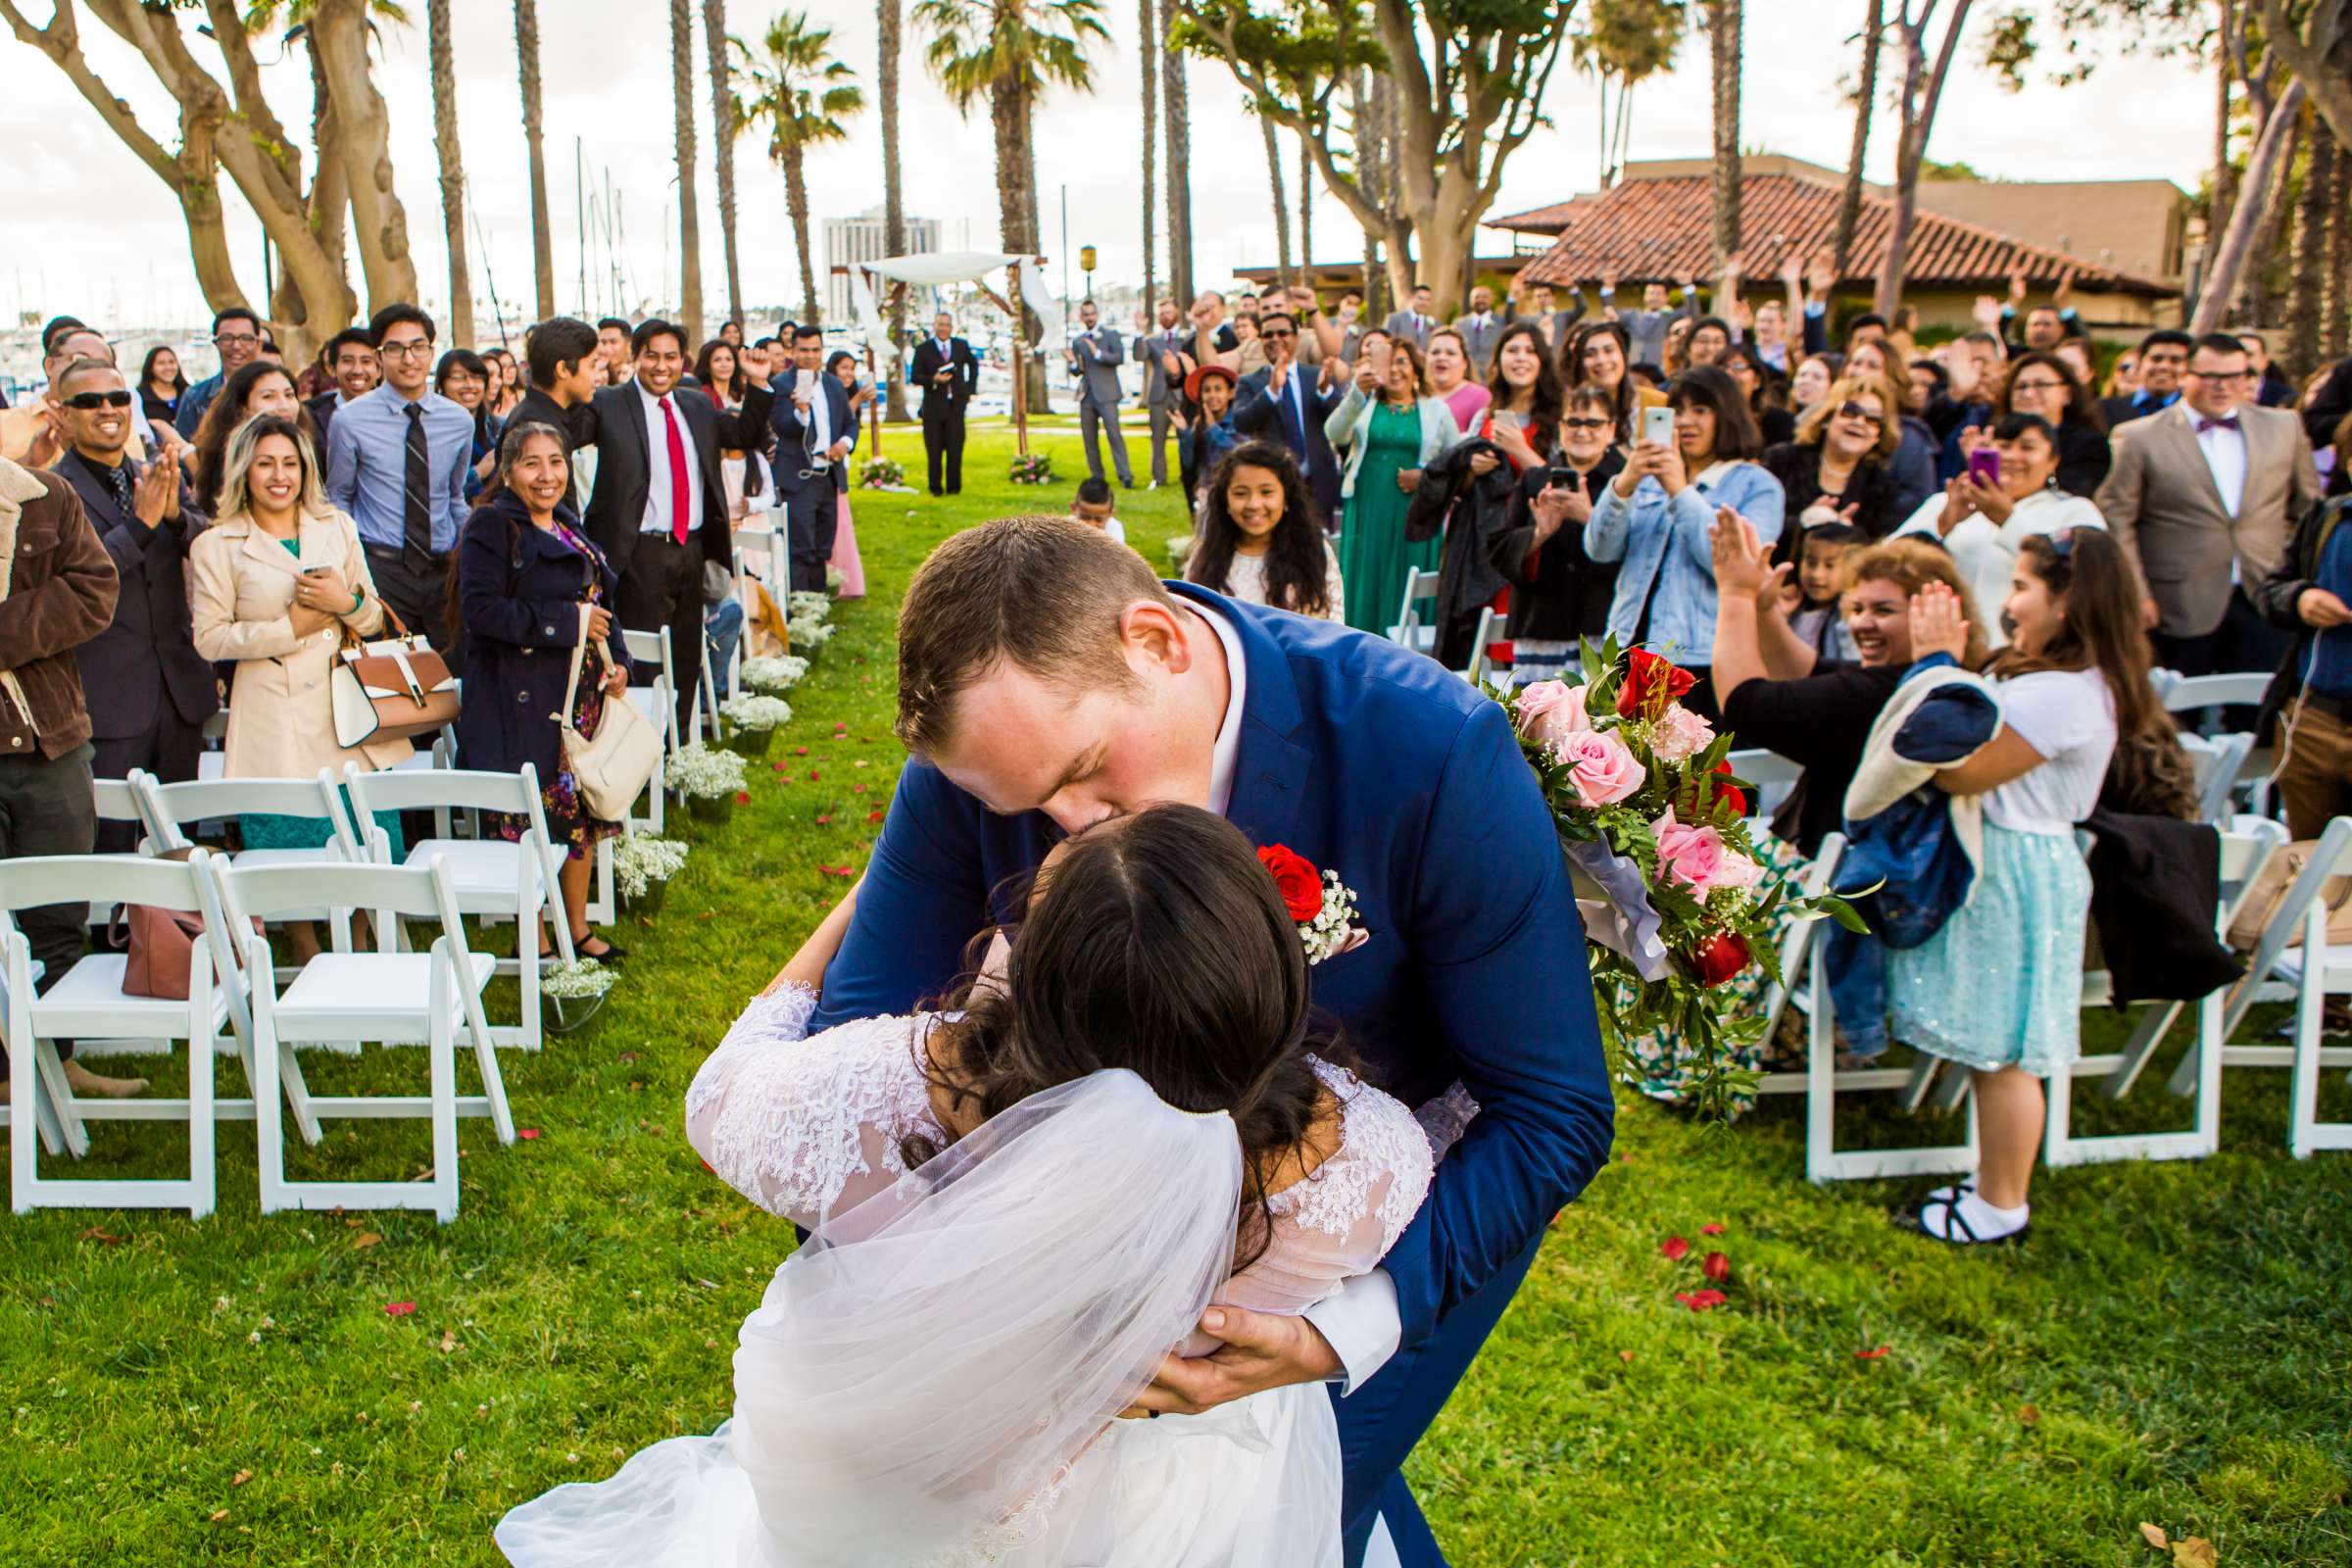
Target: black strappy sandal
1956 1231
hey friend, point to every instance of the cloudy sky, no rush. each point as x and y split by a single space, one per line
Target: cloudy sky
91 231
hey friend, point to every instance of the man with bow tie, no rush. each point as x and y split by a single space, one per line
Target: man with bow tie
1095 354
2202 497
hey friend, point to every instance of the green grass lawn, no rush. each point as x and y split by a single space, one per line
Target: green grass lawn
2173 1346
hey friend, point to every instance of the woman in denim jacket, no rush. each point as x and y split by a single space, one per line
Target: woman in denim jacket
1656 518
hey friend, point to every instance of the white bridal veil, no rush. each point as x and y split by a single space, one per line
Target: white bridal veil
934 1377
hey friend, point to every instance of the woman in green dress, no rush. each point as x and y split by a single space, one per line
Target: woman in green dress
1390 429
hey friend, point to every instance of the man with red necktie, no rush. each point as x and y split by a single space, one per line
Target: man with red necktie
658 510
2202 497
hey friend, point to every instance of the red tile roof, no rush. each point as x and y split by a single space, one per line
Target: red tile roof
1660 230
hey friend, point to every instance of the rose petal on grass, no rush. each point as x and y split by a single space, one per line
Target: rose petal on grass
874 816
399 1308
838 870
1717 1267
780 767
526 1133
1674 1248
1702 1300
857 789
1876 1352
812 776
1713 1227
800 751
743 796
1624 1356
825 820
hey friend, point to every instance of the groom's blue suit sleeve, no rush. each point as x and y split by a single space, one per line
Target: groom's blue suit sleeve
924 897
1498 937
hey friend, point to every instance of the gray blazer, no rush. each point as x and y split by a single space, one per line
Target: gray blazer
1404 324
1481 340
1151 351
1098 368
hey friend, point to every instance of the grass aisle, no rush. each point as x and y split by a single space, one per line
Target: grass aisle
2174 1347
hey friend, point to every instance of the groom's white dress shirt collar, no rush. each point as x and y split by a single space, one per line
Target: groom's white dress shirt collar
1228 747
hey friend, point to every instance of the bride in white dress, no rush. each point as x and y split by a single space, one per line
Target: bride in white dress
1019 1205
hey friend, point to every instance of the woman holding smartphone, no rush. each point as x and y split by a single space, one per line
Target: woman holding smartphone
2008 493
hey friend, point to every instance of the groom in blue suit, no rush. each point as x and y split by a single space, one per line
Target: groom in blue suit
1048 680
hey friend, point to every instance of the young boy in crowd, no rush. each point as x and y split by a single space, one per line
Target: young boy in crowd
1820 586
1093 504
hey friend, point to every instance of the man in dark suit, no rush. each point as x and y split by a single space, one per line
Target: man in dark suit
659 508
2163 358
815 435
351 358
1284 403
148 692
948 372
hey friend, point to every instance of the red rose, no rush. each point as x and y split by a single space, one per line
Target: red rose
1730 791
1298 882
1650 683
1722 956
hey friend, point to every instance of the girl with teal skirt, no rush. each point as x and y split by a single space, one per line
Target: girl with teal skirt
1388 438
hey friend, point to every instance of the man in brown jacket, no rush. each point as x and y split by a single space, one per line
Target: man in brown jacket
57 591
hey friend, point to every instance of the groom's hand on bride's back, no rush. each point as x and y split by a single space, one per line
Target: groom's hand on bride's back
1261 1350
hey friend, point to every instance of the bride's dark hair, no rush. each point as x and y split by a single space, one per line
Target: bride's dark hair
1159 944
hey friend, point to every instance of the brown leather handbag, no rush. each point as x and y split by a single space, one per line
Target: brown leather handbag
390 690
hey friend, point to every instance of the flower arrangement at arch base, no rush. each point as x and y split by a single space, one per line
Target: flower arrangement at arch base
1654 827
1032 468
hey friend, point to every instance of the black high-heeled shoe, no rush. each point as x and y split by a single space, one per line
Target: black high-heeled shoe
608 953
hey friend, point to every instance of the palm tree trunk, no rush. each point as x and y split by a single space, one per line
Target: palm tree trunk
1723 48
893 197
690 228
2300 352
796 202
2225 174
1281 208
1866 92
722 135
2230 252
1147 36
1178 109
453 169
543 250
2253 304
1306 214
2334 329
1016 213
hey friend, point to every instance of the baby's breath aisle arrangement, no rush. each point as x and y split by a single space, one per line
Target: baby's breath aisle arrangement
575 992
753 721
709 778
642 866
774 676
807 625
1654 826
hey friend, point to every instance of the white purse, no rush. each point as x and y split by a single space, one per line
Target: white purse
611 768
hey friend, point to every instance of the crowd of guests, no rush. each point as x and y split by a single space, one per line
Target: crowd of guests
177 548
1803 528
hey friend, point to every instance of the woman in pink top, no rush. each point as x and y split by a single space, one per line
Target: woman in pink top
1450 378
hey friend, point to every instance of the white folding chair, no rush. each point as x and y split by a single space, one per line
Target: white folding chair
1771 774
2242 855
1411 630
117 800
2188 694
2310 973
1479 651
497 878
2219 762
350 998
88 999
706 707
174 808
1797 946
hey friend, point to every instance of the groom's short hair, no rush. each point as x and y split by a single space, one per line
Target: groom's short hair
1042 594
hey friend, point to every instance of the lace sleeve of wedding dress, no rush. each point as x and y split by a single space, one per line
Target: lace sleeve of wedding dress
804 1124
1343 1217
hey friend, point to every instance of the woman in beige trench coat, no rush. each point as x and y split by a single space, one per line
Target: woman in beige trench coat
270 584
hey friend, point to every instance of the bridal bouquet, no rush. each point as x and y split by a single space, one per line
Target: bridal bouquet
1654 828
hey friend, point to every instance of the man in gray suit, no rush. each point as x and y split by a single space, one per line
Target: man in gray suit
1416 322
2202 497
1094 356
1164 393
1480 326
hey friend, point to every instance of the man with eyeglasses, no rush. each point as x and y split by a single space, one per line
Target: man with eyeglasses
237 336
147 691
2202 497
1095 354
396 461
1283 403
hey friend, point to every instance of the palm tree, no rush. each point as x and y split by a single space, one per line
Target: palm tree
690 228
1147 33
1176 104
887 35
722 135
804 96
1282 205
1722 50
1009 51
453 168
543 247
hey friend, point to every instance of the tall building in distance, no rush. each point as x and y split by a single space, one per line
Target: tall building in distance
851 240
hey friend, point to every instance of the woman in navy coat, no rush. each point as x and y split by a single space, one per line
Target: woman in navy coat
525 568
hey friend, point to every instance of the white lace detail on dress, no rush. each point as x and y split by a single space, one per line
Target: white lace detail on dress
1378 1137
798 1112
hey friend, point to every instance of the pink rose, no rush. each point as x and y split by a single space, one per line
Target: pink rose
1679 734
1691 856
1737 872
1602 769
1551 711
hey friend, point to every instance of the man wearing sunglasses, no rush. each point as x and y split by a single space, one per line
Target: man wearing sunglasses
237 337
148 692
1283 403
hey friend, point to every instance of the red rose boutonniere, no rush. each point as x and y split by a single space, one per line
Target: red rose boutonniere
1319 904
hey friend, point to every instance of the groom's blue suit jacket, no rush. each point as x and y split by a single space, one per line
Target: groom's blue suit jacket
1379 765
